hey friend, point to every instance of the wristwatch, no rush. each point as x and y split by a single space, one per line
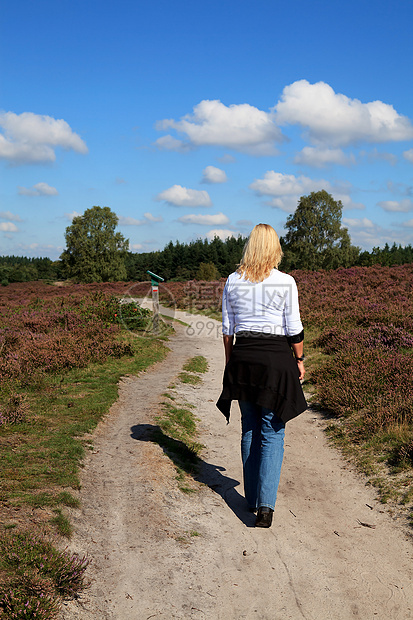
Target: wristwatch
300 359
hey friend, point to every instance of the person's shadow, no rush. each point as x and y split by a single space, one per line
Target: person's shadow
202 471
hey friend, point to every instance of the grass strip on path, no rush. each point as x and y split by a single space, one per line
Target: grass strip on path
177 432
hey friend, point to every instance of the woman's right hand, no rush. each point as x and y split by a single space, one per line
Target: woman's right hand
301 370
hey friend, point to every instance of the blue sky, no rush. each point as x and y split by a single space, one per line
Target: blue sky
190 119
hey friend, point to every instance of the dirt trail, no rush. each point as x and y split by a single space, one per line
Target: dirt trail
159 553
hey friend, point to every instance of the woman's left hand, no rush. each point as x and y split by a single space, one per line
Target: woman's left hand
301 370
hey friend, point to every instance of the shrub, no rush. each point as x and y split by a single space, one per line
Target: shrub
15 412
133 317
41 575
28 551
373 337
39 338
18 603
374 383
404 453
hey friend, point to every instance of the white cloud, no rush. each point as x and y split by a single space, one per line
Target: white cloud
218 219
241 127
40 189
286 189
397 206
146 245
152 218
183 197
7 215
363 222
367 234
169 143
131 221
279 184
211 174
33 138
221 233
399 189
39 249
8 227
408 155
319 157
409 223
335 119
71 216
226 159
375 155
346 200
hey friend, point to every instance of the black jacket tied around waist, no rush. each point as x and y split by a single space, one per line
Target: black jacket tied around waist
262 370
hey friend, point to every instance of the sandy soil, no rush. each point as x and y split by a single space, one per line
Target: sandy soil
160 553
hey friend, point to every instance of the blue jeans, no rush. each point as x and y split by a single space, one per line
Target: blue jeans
262 450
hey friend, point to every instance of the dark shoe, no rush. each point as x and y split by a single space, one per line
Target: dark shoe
264 517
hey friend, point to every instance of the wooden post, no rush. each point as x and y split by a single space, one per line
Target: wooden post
155 304
155 299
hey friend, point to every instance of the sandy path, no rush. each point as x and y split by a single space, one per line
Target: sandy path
159 553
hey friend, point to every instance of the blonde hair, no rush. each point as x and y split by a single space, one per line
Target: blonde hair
262 253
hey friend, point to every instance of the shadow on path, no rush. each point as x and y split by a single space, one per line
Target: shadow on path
199 469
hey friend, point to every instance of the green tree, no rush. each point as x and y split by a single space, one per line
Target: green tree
315 237
23 273
208 272
94 251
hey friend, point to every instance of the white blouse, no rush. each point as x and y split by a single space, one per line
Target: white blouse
270 306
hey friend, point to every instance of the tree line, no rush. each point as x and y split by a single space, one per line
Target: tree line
200 260
95 252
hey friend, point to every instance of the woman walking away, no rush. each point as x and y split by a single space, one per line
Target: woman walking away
264 367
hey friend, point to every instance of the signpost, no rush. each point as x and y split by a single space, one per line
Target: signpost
155 299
